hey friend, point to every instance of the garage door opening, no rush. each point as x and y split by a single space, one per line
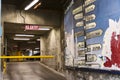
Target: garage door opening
22 40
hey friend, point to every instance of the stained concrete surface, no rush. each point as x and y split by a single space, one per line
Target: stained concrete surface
30 71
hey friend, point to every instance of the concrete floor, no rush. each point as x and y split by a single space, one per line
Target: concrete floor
30 71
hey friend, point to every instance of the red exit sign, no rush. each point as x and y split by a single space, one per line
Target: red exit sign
31 27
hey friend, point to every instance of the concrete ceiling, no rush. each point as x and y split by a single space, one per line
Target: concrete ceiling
46 4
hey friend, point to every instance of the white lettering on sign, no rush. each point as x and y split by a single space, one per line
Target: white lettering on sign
90 25
90 17
31 27
76 10
87 2
90 8
80 33
80 44
80 63
79 24
91 57
93 34
78 16
94 47
81 52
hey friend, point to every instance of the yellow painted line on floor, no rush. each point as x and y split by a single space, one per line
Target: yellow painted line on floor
11 57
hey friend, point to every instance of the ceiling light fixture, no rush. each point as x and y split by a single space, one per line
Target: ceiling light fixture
31 4
22 39
44 28
38 39
37 48
37 5
24 35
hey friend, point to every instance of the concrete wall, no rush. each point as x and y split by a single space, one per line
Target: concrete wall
50 45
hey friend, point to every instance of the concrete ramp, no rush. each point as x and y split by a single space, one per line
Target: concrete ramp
30 71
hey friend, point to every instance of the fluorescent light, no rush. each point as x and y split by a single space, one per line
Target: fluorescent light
37 5
37 48
24 35
21 38
38 39
44 28
31 4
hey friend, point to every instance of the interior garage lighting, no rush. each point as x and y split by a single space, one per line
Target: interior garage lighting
38 39
44 28
37 48
22 39
24 35
37 5
31 4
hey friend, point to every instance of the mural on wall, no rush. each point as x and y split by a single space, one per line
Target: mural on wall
69 37
103 39
111 46
78 21
93 34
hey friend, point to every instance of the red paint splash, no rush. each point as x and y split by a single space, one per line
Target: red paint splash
115 49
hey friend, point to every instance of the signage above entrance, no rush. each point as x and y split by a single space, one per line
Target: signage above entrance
35 27
31 27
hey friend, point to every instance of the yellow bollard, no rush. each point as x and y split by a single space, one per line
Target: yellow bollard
4 67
